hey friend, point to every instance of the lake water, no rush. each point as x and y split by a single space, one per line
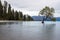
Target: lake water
29 30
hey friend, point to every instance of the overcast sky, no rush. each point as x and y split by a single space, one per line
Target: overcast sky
32 7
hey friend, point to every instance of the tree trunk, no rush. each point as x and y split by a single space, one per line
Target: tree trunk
43 20
46 17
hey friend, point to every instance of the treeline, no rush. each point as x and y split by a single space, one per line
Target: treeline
7 13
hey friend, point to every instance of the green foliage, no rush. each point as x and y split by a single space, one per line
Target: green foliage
53 19
5 7
13 14
29 18
5 10
20 15
9 9
24 17
1 10
16 16
7 13
47 12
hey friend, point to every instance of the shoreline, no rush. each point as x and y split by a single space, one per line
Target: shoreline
22 21
8 20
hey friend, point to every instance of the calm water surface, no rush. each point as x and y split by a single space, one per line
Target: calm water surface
30 31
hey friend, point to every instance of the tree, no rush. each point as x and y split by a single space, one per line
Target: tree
1 10
5 10
13 14
20 15
9 12
29 18
47 12
16 15
9 9
24 17
53 19
5 7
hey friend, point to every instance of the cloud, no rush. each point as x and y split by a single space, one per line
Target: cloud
34 6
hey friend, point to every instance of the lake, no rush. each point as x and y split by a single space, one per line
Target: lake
29 30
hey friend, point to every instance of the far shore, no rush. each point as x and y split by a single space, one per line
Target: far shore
8 20
15 21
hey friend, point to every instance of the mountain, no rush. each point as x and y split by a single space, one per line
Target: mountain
39 18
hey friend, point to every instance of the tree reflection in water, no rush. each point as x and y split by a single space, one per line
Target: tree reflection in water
48 31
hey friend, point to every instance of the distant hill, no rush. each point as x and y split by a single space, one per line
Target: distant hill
39 18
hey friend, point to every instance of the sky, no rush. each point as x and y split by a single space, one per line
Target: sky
32 7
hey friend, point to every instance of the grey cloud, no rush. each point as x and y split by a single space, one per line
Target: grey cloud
34 4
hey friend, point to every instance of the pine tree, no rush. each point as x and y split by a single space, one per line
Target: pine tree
5 10
9 12
20 16
16 16
1 10
29 18
13 14
24 18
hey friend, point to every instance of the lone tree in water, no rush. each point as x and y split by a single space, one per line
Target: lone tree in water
47 12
